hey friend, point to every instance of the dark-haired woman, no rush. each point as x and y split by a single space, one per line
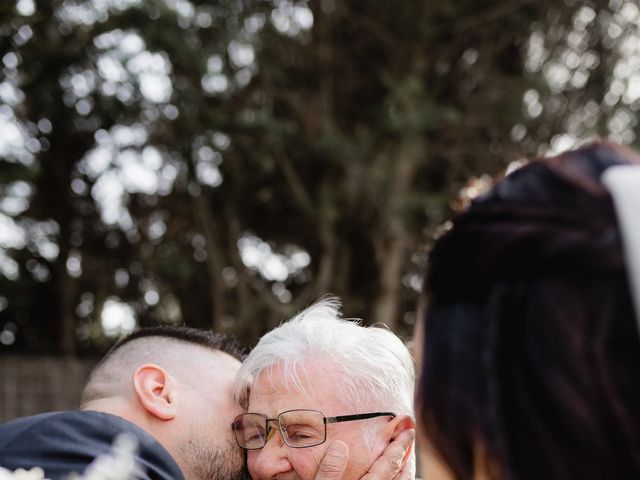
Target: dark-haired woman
530 343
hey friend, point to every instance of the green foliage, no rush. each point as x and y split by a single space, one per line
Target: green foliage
165 141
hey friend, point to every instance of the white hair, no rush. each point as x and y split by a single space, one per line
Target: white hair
378 368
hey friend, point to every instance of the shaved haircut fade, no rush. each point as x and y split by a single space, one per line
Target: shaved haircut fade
176 348
204 338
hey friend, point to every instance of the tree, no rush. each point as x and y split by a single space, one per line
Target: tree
224 164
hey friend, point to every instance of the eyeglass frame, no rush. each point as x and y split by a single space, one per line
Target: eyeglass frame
325 420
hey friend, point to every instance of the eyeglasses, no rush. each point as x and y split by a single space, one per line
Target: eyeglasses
299 428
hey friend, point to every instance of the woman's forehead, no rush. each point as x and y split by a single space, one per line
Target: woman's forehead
311 383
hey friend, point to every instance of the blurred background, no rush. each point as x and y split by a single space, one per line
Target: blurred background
223 164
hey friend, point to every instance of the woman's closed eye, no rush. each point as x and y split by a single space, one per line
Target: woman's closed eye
300 432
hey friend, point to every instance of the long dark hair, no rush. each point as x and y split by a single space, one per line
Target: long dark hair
531 353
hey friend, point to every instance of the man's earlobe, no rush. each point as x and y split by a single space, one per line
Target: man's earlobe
155 390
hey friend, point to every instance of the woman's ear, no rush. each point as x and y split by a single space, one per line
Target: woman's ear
399 424
155 390
396 426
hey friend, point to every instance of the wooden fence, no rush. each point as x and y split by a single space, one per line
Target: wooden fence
31 385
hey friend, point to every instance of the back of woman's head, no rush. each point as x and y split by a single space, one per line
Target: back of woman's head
531 354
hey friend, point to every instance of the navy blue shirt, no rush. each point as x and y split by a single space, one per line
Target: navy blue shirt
65 442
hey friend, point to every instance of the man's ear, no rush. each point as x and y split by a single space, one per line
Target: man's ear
155 390
400 424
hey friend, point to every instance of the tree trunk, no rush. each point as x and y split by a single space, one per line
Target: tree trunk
392 250
66 311
214 261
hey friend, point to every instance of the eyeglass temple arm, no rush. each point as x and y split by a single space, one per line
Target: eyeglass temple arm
360 416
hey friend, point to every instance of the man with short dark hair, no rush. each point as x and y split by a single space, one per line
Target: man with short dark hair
169 387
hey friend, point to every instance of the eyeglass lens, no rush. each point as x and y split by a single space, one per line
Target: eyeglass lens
300 428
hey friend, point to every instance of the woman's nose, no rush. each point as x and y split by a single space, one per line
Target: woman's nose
270 460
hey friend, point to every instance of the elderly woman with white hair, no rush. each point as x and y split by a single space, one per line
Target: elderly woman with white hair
318 378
